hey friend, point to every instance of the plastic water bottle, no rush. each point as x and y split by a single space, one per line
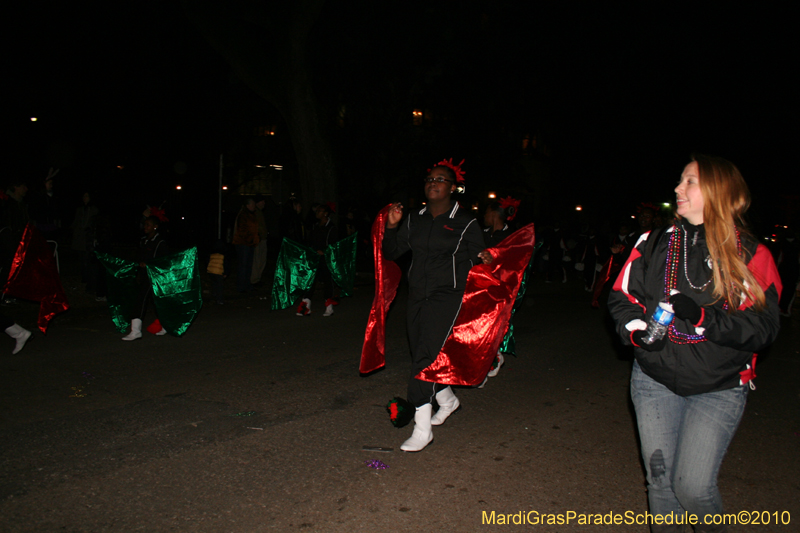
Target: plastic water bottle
658 323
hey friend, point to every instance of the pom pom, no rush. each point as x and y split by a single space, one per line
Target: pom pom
159 214
401 411
155 327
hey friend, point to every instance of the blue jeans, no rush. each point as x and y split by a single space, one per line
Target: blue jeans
244 255
683 442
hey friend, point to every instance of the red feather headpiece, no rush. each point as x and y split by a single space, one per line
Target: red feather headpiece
510 205
647 205
159 214
457 170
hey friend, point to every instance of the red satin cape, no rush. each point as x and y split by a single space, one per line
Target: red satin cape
482 321
486 307
34 276
387 278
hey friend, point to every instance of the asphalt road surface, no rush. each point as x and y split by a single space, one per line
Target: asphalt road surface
255 421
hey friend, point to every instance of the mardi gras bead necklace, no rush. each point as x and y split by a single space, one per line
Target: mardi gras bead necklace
671 281
685 265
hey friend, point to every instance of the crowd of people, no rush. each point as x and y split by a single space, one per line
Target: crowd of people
689 386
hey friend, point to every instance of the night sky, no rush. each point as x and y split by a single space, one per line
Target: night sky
621 96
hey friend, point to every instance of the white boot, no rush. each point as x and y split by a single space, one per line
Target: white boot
448 403
500 360
136 330
20 334
328 310
162 332
422 435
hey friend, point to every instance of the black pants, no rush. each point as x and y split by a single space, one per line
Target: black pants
429 323
324 275
145 297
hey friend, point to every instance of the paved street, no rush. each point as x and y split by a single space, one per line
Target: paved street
255 421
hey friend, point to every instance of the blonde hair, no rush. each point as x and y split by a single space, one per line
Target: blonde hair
726 198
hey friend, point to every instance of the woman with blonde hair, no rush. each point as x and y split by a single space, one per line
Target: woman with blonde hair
689 388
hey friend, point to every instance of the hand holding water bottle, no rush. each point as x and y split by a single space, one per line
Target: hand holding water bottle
654 338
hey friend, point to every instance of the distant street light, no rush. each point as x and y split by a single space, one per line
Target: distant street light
224 187
178 187
34 119
578 208
492 195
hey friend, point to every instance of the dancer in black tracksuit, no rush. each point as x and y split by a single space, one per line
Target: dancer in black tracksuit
445 241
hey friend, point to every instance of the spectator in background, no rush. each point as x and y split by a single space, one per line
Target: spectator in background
260 250
556 247
310 221
83 237
620 248
587 254
646 218
245 239
291 222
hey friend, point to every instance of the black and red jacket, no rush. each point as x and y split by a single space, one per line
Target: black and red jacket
727 358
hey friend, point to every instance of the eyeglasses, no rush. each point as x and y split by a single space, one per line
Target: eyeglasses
437 179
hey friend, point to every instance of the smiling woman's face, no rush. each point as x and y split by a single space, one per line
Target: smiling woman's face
689 196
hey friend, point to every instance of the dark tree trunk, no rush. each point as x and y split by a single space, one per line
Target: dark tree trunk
266 44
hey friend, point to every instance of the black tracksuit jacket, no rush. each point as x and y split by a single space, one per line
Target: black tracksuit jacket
443 249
